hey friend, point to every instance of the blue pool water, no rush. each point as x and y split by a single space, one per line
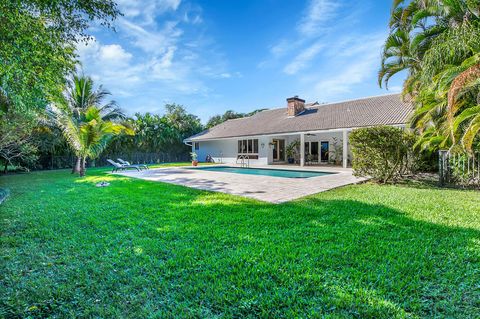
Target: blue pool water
264 171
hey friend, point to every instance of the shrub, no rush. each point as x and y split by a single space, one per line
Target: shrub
383 153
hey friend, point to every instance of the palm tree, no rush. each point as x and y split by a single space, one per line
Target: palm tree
81 95
438 43
86 123
397 56
87 132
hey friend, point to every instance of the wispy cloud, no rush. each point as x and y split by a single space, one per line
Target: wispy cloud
302 59
349 67
325 54
152 41
317 16
145 11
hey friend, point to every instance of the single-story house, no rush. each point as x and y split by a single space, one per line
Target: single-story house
320 131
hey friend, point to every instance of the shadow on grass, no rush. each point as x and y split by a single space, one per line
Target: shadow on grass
149 249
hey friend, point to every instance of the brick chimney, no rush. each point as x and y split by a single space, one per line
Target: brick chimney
295 106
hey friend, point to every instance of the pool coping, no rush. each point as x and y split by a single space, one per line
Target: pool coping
208 168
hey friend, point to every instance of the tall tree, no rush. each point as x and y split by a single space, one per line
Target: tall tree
438 44
86 121
37 41
158 133
87 134
228 115
16 146
37 51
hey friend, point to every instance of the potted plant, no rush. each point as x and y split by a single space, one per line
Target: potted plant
194 158
336 153
291 150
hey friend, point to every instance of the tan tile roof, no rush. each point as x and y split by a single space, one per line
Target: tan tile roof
379 110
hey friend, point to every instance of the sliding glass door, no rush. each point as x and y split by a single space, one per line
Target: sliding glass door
278 150
311 151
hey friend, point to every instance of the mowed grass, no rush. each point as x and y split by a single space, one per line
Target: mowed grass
140 249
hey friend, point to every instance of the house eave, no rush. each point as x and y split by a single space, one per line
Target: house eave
332 130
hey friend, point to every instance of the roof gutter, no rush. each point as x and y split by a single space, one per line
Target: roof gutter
333 130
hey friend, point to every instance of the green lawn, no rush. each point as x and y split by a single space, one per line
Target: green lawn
140 249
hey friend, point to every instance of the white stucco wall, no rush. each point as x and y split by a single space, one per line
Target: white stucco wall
225 150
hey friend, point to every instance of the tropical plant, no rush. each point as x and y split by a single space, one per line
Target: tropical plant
81 96
88 132
85 121
194 156
336 151
158 133
292 148
438 44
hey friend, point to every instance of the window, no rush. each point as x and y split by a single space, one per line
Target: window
197 146
248 146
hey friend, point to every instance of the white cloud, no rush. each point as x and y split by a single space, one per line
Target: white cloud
193 19
324 64
110 65
152 41
155 56
301 60
145 11
281 48
115 54
318 20
349 67
112 55
395 89
318 13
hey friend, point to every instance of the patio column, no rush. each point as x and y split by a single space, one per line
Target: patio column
345 149
302 149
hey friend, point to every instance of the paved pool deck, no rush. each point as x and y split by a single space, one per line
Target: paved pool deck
265 188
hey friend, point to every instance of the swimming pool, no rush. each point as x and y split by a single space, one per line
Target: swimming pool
264 171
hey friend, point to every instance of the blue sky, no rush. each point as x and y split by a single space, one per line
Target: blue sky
211 56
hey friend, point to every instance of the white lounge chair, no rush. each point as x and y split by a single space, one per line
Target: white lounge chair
118 166
128 164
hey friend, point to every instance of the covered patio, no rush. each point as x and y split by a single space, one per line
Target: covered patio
315 148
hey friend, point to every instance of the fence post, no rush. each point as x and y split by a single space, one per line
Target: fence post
442 161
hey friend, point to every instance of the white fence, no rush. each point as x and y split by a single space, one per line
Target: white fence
461 169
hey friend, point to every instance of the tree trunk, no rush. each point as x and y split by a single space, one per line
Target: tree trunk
6 168
76 168
82 167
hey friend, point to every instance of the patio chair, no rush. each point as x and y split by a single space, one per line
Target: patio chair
144 166
118 166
